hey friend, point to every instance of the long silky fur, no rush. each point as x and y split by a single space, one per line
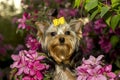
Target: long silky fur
75 61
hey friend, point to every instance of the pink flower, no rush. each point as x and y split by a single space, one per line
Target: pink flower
97 77
94 73
110 74
82 72
27 78
27 15
63 12
19 59
89 44
92 69
32 56
22 21
25 59
84 77
99 25
38 76
3 51
82 69
20 62
67 12
36 66
105 44
92 60
73 12
108 68
32 43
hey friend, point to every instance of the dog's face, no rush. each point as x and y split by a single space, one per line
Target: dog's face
60 41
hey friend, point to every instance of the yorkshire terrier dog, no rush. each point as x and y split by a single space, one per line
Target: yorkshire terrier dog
60 40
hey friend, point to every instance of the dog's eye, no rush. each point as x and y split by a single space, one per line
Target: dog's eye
53 33
67 33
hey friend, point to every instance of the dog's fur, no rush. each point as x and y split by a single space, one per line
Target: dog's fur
61 43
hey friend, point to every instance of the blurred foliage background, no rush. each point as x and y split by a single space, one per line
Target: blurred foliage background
9 40
8 16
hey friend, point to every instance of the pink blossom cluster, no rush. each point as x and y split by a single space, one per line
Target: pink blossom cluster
67 12
22 21
93 69
32 43
28 64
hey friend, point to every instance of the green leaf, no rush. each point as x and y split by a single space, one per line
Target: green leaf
108 21
115 3
87 1
117 62
114 40
117 71
91 4
104 10
94 14
12 73
114 21
77 3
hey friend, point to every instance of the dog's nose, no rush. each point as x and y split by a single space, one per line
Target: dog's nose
62 40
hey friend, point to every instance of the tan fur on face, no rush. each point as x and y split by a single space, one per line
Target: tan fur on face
61 52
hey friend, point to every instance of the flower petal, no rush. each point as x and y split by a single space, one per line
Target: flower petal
26 78
15 57
99 57
111 75
39 76
20 71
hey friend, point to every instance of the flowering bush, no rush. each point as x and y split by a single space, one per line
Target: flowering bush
28 64
100 36
93 69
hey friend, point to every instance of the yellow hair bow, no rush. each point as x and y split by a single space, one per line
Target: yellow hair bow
59 21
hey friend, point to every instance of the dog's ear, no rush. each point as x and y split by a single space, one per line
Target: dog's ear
77 25
41 28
